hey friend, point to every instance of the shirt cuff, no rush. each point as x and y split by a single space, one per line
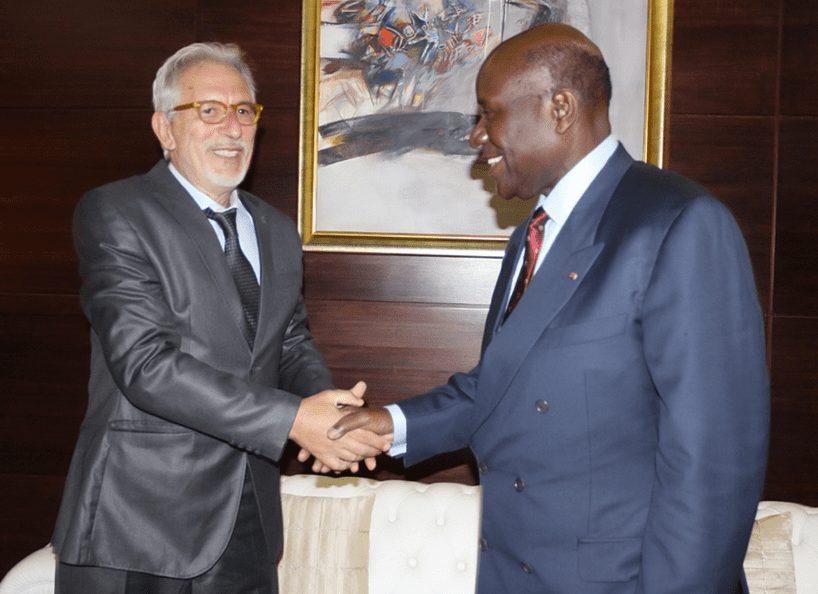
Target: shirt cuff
399 425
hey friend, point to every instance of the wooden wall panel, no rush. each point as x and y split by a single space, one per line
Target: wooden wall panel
794 380
48 163
731 158
796 256
399 349
403 278
724 57
799 68
91 53
44 379
30 504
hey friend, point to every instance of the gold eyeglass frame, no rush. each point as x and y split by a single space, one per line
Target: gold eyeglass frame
198 104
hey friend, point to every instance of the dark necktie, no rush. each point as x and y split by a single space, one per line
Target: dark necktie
240 268
533 245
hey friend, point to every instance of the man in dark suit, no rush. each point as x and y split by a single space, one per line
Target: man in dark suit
202 366
619 411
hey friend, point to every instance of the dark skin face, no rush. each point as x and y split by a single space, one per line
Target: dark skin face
517 135
531 133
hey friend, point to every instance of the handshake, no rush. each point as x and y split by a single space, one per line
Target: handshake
335 428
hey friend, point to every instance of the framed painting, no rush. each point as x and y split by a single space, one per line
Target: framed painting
388 104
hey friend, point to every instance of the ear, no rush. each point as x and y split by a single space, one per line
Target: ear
564 109
161 127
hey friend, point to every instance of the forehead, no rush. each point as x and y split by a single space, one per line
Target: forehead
213 80
504 83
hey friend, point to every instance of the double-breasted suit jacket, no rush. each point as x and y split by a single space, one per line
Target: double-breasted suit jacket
180 406
620 415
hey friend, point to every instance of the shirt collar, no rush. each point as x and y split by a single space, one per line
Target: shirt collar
203 200
564 197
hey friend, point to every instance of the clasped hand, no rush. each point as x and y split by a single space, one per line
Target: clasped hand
314 423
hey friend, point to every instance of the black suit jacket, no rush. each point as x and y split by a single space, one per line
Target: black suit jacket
179 405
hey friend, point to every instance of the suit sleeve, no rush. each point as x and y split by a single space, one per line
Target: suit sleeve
302 369
126 299
441 420
705 348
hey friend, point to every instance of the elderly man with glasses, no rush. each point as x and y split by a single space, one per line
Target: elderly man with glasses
202 366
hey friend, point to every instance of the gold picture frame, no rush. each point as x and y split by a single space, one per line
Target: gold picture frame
361 190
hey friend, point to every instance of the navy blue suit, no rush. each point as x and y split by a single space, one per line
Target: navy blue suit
620 415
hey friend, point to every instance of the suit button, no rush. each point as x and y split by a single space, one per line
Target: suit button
482 468
519 484
483 544
526 567
542 405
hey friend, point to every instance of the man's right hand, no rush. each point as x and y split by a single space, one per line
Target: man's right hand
375 419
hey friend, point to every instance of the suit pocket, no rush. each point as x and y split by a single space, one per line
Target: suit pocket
588 331
609 560
145 427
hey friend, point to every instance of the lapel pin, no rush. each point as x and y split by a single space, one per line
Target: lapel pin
573 276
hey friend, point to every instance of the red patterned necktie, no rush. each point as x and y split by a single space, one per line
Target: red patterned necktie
533 245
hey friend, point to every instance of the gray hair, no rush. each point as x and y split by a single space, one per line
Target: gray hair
166 89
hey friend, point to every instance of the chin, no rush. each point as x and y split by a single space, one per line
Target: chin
227 180
502 192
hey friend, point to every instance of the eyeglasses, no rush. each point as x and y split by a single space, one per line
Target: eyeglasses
215 112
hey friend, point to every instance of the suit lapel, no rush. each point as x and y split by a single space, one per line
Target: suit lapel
564 268
175 199
503 286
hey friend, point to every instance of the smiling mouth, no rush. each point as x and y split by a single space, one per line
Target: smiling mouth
229 153
494 160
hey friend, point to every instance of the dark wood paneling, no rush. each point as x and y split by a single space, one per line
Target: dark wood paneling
47 164
794 380
399 349
724 57
43 377
799 68
91 53
270 34
733 159
42 445
30 505
796 254
413 279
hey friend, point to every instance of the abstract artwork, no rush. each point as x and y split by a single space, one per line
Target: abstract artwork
387 109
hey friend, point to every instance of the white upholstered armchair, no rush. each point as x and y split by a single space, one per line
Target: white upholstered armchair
360 536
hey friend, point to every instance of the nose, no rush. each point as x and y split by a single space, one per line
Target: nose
478 136
230 125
